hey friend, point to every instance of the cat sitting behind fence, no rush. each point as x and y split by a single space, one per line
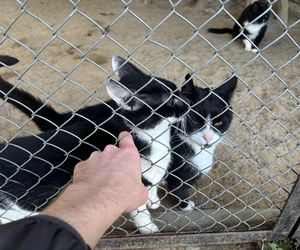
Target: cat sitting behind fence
196 137
251 26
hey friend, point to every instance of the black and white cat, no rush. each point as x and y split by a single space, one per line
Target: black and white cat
31 177
194 143
251 26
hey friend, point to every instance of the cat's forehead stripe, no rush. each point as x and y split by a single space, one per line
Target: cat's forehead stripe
208 121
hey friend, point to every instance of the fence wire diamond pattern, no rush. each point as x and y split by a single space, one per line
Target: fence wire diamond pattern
65 50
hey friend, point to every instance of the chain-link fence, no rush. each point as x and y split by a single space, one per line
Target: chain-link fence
65 49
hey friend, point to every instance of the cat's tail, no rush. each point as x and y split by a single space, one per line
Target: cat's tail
220 31
34 108
7 60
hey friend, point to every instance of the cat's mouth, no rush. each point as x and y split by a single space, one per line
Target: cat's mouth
205 146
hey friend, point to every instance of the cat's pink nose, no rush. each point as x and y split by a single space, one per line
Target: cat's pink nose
207 137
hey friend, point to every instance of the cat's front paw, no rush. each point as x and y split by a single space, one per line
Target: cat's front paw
254 50
149 229
153 199
153 204
189 206
247 44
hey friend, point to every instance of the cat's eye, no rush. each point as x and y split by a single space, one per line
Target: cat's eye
217 124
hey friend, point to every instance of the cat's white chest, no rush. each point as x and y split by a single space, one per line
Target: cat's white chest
154 165
203 158
253 29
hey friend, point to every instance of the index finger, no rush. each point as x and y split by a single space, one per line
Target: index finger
125 140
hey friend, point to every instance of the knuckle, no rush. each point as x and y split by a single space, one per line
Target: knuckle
79 164
94 154
110 148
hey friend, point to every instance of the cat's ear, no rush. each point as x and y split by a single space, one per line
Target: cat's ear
123 68
121 95
7 60
188 88
226 90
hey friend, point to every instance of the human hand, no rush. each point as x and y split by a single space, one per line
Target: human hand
104 186
114 175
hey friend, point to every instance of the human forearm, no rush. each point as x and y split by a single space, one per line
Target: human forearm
104 186
39 233
91 217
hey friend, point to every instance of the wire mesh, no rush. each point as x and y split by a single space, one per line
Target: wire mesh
65 49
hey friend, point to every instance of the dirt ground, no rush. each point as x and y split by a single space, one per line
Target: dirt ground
65 56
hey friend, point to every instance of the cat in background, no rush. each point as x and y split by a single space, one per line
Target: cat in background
144 105
196 137
251 26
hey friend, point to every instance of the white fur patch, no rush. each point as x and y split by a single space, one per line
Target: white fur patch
153 199
254 50
154 167
253 29
143 221
247 44
204 157
115 65
189 207
13 213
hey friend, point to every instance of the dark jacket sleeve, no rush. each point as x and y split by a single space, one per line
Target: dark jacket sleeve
40 233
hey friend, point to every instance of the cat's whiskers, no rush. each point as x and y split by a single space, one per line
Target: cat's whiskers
183 125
